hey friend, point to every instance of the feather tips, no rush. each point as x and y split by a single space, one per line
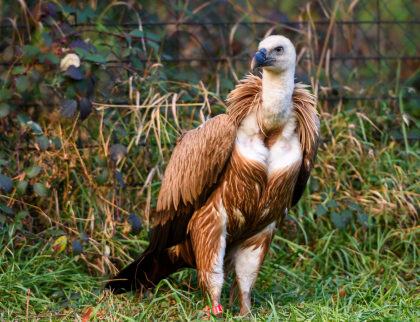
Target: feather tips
306 114
196 163
247 97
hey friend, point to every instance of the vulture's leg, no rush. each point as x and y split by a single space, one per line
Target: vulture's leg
247 261
207 230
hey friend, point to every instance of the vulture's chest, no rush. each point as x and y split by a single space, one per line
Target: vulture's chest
262 175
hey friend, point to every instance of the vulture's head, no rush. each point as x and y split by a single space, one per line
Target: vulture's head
276 54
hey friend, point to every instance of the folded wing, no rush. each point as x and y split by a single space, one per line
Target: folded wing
308 130
196 164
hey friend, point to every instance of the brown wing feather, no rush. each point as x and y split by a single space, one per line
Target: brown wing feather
195 166
308 130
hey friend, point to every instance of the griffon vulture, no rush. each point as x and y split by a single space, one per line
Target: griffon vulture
231 181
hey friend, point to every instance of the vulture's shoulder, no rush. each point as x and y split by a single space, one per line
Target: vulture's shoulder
196 162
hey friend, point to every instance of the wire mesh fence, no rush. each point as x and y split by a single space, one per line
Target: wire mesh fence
350 50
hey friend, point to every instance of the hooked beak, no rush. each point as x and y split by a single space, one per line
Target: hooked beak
260 59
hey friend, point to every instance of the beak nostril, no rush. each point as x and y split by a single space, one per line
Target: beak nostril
261 59
263 52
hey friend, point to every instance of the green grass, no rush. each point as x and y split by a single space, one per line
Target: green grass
366 271
340 280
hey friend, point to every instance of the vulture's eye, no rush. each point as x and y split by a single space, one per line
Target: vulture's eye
279 50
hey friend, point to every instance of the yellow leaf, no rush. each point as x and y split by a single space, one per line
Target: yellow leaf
60 244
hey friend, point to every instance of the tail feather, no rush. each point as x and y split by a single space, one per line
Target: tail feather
146 271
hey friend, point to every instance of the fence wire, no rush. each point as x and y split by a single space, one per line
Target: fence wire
357 50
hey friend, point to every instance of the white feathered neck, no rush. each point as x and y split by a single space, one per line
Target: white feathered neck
277 103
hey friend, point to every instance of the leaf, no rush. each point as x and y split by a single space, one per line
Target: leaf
137 63
33 171
52 58
46 35
68 108
321 210
22 84
41 190
120 179
6 209
154 45
71 92
137 33
75 73
56 141
354 206
69 60
60 244
98 159
337 219
21 215
68 9
85 107
96 58
87 12
121 130
43 142
21 187
87 315
84 237
117 151
347 216
75 296
35 76
82 48
8 54
365 220
152 36
77 247
18 70
102 177
136 226
4 110
23 119
57 294
36 129
6 183
79 44
2 219
332 204
4 94
30 50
